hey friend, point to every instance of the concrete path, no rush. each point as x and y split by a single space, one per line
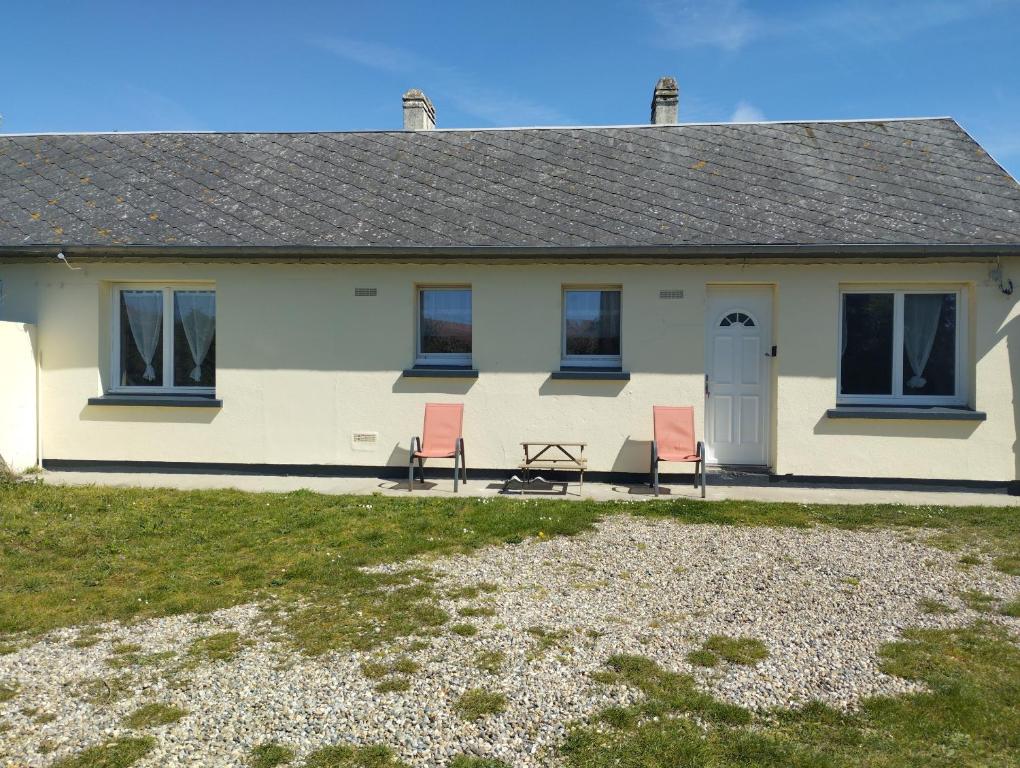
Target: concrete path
777 491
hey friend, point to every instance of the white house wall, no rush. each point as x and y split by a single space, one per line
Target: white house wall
302 364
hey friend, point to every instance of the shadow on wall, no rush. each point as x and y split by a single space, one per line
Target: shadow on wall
633 453
432 386
942 430
148 414
559 387
1010 331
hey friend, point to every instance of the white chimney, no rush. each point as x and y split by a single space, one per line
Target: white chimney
419 114
664 102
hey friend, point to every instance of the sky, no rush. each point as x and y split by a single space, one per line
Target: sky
298 66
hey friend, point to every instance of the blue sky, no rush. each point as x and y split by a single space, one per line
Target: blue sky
255 65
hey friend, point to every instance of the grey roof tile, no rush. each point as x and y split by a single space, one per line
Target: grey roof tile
919 182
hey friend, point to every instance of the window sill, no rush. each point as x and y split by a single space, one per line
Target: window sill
917 413
161 401
591 374
441 372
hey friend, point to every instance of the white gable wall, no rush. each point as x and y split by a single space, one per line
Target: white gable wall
18 426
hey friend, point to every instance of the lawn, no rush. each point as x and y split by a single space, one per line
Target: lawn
75 556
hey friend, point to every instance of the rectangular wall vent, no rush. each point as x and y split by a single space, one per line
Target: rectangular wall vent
365 291
364 441
671 293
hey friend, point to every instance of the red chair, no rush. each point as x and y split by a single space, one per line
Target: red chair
674 441
441 439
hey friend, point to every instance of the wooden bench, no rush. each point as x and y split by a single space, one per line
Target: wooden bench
552 455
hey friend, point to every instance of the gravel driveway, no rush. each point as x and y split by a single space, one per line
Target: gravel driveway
821 600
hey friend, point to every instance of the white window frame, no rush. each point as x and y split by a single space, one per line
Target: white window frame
166 337
441 358
897 397
588 361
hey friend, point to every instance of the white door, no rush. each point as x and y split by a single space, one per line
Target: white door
738 327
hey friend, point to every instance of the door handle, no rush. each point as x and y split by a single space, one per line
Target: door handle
706 385
774 352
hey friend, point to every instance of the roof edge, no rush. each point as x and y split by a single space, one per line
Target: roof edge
880 251
493 128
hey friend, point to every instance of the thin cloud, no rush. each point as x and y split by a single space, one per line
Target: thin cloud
726 24
445 83
732 24
746 113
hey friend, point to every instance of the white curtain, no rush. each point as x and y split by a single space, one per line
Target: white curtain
197 311
145 317
921 315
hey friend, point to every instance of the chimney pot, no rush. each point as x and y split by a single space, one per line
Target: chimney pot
419 114
664 101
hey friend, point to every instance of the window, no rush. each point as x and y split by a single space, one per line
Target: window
591 327
901 346
164 338
444 326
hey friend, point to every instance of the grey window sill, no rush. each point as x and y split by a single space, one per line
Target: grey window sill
162 401
918 413
441 372
591 374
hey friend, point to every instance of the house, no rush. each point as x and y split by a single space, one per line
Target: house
834 297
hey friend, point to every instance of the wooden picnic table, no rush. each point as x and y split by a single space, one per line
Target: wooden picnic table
552 455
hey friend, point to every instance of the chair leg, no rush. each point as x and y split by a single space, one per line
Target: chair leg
456 469
655 476
463 463
701 464
421 471
415 446
651 466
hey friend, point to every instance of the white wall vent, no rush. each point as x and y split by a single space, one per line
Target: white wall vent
366 291
364 441
671 293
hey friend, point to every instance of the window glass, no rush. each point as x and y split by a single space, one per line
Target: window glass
929 344
444 322
141 340
194 339
867 363
591 322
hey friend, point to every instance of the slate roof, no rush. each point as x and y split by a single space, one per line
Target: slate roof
922 181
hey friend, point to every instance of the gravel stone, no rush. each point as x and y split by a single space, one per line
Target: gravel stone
822 601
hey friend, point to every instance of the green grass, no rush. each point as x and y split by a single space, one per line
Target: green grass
737 650
490 661
153 715
1011 608
971 559
703 658
464 630
969 717
472 611
392 684
547 639
8 691
222 646
343 756
269 755
977 600
478 702
932 606
118 753
75 556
